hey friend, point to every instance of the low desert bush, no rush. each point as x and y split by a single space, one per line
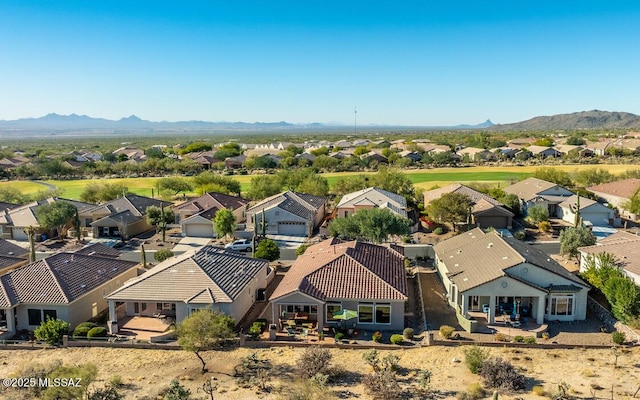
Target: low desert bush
408 333
396 339
518 339
382 385
83 328
474 357
474 391
520 235
438 231
618 337
545 335
544 226
530 340
501 337
314 360
446 331
162 255
338 336
116 381
377 336
500 374
98 331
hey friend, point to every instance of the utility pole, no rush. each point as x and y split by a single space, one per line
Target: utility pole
355 120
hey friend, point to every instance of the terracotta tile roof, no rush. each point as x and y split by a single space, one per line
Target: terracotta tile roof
625 188
208 273
347 270
60 278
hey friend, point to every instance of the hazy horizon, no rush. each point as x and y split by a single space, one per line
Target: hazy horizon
401 64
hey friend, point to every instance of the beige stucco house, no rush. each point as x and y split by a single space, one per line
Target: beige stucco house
288 213
496 275
196 216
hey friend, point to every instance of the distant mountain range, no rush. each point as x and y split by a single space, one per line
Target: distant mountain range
594 119
55 124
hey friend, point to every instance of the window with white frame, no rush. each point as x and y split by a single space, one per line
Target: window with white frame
383 313
365 313
562 305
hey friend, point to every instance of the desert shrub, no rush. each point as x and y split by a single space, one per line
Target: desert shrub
501 374
306 389
618 337
539 391
162 255
474 357
396 339
116 381
446 331
176 391
382 385
500 337
474 391
301 249
545 335
52 331
98 331
255 329
408 333
377 336
544 226
438 231
83 328
530 340
107 393
391 362
423 378
320 379
338 336
520 235
518 339
314 360
372 357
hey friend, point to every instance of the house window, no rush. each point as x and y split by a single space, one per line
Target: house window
158 306
50 314
383 314
562 305
365 313
331 309
35 316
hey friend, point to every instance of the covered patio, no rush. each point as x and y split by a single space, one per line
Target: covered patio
143 328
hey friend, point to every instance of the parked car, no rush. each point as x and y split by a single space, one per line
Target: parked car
240 245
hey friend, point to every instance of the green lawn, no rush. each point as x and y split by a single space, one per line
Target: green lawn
420 177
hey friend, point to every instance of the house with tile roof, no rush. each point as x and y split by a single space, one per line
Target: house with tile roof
486 211
125 216
11 256
209 277
624 246
591 212
69 286
371 197
534 191
333 275
617 194
496 275
196 216
543 151
288 213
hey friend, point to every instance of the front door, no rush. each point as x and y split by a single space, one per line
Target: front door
474 303
136 308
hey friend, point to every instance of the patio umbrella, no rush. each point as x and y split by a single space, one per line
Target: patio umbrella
345 314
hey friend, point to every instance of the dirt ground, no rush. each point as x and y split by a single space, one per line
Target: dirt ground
146 372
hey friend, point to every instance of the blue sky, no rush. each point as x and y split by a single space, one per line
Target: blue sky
399 63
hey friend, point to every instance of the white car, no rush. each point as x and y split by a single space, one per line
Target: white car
240 245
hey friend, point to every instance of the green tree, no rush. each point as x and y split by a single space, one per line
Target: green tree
450 208
592 176
267 249
174 185
349 184
554 175
575 140
393 180
263 186
315 184
512 202
440 159
195 147
224 222
546 142
209 181
102 193
203 330
56 216
325 163
52 331
538 213
574 237
160 217
11 194
624 296
633 205
374 225
154 152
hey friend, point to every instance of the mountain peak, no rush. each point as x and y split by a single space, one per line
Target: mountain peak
131 118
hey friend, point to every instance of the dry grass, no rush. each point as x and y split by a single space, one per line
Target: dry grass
146 372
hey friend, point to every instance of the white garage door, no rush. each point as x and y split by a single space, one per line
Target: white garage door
199 230
292 228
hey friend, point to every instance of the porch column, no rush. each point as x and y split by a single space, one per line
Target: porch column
541 310
492 309
465 304
320 323
112 311
275 316
11 319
